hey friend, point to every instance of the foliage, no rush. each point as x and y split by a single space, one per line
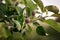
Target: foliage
52 9
13 19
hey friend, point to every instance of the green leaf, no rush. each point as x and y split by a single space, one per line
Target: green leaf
4 32
21 1
40 30
7 32
30 6
8 2
52 9
36 23
29 28
40 4
3 9
19 10
46 12
17 24
53 24
21 20
28 11
56 15
0 1
41 19
20 17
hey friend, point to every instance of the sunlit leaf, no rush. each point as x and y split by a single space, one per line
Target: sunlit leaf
17 24
40 4
53 24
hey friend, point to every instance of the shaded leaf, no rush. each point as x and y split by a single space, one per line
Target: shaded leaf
8 32
36 23
28 11
3 8
42 19
40 30
21 1
52 9
29 28
8 2
56 15
15 29
4 32
58 19
21 20
20 17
